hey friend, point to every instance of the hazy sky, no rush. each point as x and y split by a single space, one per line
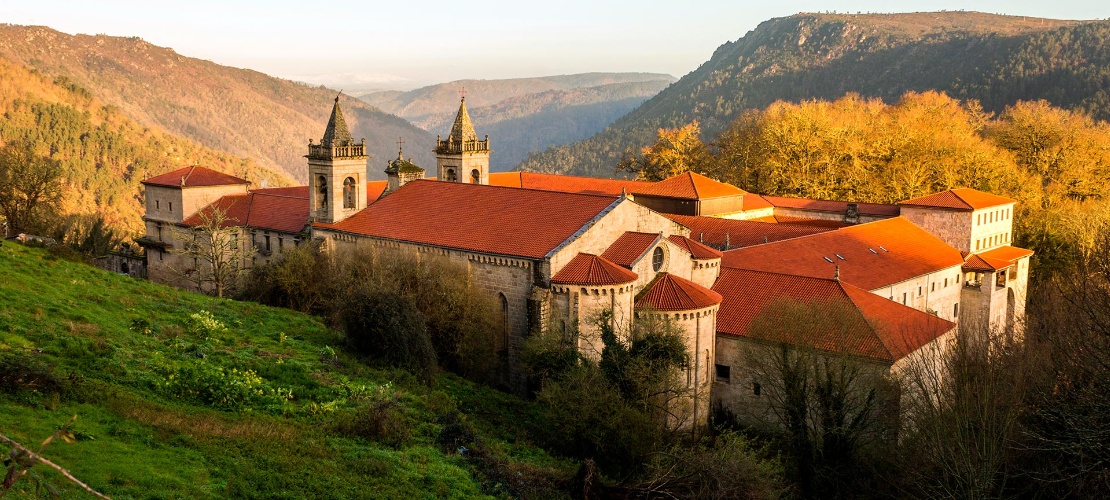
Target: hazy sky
405 44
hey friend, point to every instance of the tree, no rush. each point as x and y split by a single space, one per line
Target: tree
29 182
218 259
676 150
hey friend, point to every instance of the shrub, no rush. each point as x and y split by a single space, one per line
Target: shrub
231 390
386 326
24 371
381 419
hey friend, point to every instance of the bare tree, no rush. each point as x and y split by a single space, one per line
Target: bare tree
212 257
28 182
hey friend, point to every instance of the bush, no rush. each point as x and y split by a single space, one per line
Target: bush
24 372
386 326
231 390
381 419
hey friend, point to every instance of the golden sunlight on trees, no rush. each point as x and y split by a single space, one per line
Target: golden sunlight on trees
676 151
30 181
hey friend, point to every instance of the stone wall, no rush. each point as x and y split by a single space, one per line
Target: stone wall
699 329
951 226
936 292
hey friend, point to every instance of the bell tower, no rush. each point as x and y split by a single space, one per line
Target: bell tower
336 172
462 157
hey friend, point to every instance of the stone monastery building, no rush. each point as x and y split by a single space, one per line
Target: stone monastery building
556 250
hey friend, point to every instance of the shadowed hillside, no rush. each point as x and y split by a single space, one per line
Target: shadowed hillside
997 60
240 111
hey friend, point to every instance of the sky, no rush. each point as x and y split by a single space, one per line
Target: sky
407 44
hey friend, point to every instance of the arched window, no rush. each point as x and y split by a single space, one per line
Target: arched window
349 193
475 177
321 192
658 258
451 177
504 303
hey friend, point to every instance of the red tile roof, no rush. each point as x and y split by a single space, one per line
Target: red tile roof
695 249
690 186
588 269
964 199
505 221
875 254
806 221
294 191
741 233
374 190
872 209
630 247
565 183
996 259
194 176
258 209
862 323
668 292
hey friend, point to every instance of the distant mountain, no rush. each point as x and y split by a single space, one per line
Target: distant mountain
525 115
104 154
240 111
997 60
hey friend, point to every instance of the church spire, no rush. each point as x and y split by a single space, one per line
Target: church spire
337 133
463 129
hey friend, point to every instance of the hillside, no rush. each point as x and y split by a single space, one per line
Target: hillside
180 395
527 114
104 154
997 60
239 111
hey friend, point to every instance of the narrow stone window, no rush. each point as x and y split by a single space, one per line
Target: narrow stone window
349 193
157 204
756 388
171 206
475 177
955 310
451 177
321 192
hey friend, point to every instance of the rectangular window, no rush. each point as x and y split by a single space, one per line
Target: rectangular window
266 238
724 373
956 310
171 206
933 287
281 243
756 389
234 241
919 291
903 298
945 282
157 204
159 252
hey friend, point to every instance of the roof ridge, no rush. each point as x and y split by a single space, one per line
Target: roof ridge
785 274
494 186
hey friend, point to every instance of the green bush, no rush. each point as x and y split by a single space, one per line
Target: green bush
381 418
386 326
202 382
25 372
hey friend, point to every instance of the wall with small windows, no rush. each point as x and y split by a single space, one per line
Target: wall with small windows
992 228
935 293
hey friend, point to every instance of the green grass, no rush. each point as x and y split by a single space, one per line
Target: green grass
181 395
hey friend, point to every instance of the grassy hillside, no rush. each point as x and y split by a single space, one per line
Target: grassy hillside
104 154
181 395
243 112
995 59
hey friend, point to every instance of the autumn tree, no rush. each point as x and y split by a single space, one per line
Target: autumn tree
211 257
29 182
675 151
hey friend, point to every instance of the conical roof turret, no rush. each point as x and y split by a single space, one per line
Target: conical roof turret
337 133
463 129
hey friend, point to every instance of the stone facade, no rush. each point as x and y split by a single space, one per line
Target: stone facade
935 293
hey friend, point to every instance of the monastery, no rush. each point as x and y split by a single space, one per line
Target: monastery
556 250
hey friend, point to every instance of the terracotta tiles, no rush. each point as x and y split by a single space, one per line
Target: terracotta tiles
864 324
870 255
668 292
259 209
690 186
374 190
588 269
695 249
630 247
872 209
565 183
996 259
193 177
497 220
741 233
960 199
294 191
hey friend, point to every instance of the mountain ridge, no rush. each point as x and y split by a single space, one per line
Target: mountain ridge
991 58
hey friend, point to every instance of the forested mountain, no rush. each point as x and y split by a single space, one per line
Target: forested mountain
526 115
997 60
103 153
240 111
